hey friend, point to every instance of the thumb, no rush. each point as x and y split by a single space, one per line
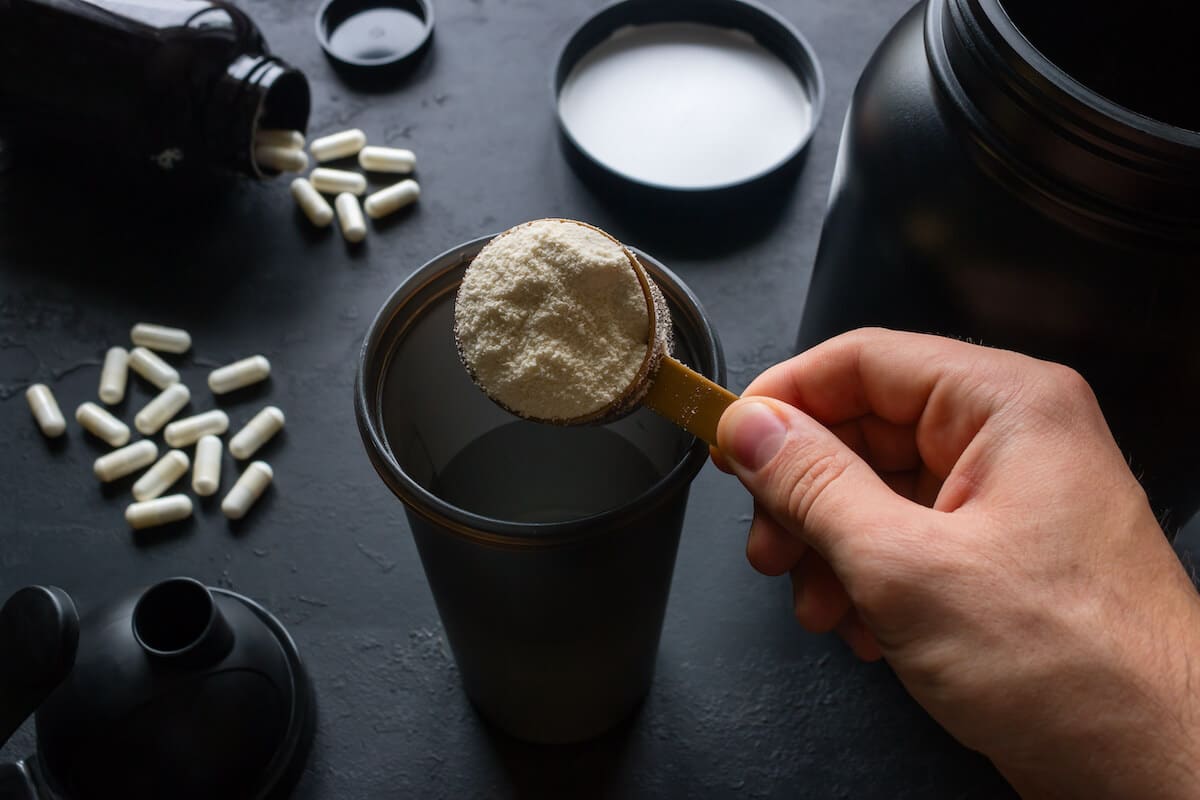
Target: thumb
806 478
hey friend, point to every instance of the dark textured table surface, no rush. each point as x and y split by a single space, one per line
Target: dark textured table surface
744 703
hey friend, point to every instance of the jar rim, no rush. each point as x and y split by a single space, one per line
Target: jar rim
1063 147
1004 27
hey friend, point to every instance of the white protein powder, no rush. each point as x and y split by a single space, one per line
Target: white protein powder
685 105
552 321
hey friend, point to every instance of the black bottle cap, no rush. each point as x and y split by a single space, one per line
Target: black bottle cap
371 39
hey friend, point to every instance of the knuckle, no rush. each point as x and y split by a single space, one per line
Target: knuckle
1062 396
859 337
1068 384
873 332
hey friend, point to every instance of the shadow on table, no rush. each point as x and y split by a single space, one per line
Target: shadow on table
589 769
694 224
122 229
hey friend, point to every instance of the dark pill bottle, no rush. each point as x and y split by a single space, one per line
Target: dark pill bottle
179 85
1026 174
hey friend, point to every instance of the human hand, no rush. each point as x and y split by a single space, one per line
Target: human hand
964 513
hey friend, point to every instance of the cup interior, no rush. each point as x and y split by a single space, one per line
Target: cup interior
448 448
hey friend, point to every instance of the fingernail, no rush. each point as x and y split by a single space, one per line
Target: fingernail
756 434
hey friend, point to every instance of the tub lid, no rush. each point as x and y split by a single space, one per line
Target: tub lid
687 96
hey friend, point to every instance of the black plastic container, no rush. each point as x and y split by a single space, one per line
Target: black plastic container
175 84
1023 175
551 559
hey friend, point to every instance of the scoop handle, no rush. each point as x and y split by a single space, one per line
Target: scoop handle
688 399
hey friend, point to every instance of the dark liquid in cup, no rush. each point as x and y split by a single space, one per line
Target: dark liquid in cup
528 472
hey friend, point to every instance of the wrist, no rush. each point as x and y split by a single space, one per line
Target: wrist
1178 697
1135 731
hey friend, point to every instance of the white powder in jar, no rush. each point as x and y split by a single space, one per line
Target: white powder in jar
551 320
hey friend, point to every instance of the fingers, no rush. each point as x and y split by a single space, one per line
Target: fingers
886 446
943 388
719 460
860 639
808 480
918 485
818 597
886 373
770 548
822 605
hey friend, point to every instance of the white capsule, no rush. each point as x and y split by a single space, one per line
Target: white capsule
161 476
393 198
274 137
45 410
183 432
114 375
161 338
128 459
159 511
387 159
206 475
101 424
152 368
338 145
238 374
315 207
281 159
336 181
162 409
247 490
257 432
350 217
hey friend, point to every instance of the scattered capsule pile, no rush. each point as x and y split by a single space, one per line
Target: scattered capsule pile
284 151
150 507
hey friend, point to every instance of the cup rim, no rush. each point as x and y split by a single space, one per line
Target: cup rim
372 366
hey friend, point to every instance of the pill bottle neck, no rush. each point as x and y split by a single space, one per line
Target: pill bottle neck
256 92
1053 136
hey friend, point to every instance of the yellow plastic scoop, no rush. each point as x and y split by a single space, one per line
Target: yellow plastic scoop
688 399
502 332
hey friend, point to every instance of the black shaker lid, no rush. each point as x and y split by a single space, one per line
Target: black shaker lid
178 691
368 39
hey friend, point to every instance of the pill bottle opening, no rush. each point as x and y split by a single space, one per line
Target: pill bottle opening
1140 57
173 616
269 95
285 104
